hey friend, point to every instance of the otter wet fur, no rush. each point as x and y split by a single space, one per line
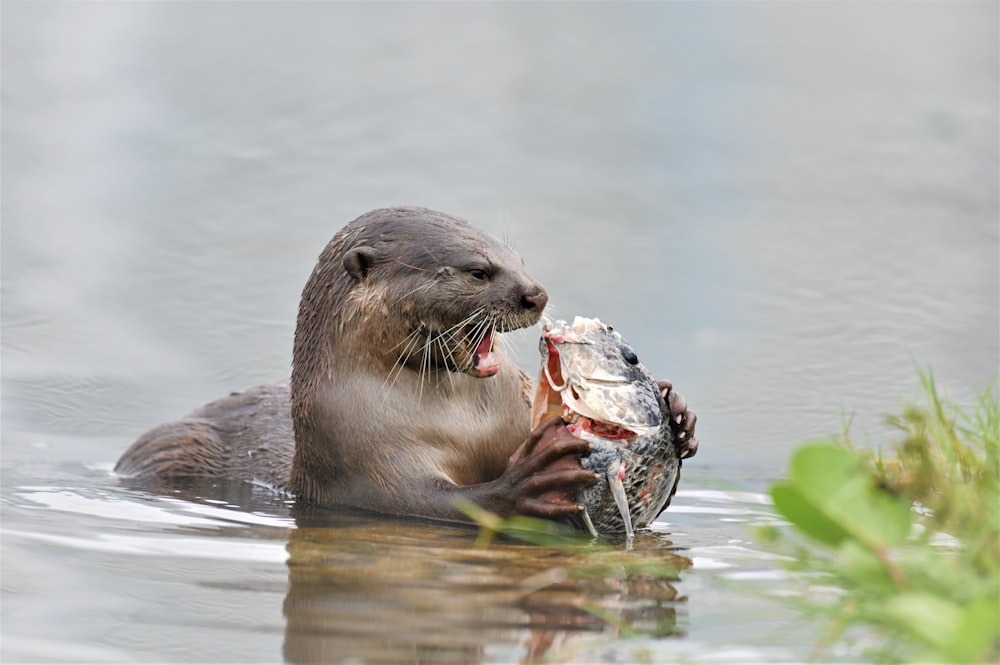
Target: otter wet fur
400 401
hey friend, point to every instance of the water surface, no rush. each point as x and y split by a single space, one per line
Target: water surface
784 207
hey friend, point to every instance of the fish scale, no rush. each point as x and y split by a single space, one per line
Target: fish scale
650 466
593 379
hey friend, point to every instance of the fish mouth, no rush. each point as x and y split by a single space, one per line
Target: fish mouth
555 395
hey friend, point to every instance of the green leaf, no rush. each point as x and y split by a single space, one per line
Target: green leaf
978 631
806 514
932 619
820 469
862 568
831 494
934 595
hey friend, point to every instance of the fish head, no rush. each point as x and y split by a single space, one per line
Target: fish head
590 375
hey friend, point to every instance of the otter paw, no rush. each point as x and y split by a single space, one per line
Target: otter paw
682 420
544 475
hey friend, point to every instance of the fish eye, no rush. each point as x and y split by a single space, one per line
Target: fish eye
629 355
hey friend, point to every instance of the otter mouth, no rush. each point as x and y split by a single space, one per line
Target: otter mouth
485 361
474 347
470 349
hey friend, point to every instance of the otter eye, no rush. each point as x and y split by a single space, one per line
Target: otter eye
629 355
478 273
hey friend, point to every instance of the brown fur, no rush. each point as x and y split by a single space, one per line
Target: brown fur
379 421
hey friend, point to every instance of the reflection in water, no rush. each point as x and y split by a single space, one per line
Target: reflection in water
380 590
320 586
376 589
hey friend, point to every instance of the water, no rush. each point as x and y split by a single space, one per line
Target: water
784 207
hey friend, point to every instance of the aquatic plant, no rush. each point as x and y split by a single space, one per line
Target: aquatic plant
904 545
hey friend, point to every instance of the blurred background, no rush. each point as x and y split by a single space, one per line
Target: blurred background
785 207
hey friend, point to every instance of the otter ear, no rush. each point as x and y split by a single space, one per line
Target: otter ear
358 261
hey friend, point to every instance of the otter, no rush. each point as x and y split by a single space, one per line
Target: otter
400 401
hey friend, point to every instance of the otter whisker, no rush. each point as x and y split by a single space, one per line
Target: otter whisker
470 339
445 354
476 313
466 335
551 312
508 237
426 285
474 334
408 345
510 329
414 334
411 267
477 319
509 322
425 364
505 341
431 254
411 342
451 340
450 332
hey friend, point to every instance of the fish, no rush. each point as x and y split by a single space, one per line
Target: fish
592 378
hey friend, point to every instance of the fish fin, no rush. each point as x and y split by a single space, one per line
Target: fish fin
618 493
590 523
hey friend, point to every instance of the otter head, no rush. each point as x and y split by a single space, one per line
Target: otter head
445 287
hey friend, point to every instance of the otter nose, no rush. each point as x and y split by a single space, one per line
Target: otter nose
535 302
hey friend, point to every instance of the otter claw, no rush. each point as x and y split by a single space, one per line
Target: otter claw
682 420
676 402
689 449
